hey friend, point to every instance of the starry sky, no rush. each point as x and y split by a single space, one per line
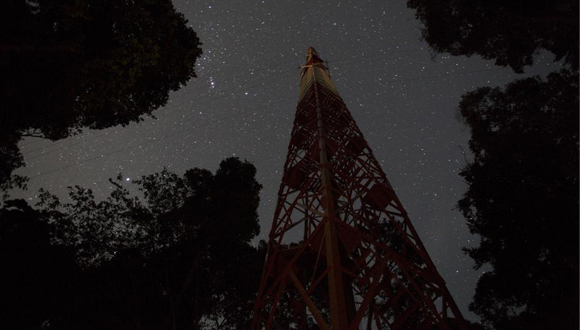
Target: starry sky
403 97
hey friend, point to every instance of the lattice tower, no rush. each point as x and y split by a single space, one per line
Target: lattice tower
342 252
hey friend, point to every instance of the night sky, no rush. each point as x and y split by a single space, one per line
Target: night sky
242 104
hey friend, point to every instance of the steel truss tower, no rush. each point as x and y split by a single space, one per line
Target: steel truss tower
342 252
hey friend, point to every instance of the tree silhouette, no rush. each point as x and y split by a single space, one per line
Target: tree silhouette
511 32
36 275
180 259
522 200
522 196
71 64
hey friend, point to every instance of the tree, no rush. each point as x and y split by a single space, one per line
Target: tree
36 275
522 196
71 64
522 200
511 32
225 270
181 258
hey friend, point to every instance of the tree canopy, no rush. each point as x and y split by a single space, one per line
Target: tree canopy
181 258
510 32
522 196
35 275
71 64
522 200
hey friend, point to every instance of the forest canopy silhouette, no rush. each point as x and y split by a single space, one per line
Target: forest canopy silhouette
522 195
73 64
510 32
181 257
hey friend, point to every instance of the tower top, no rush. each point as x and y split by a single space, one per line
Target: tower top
315 72
312 57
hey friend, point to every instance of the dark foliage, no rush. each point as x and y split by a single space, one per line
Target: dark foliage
522 196
522 201
35 275
511 32
180 260
71 64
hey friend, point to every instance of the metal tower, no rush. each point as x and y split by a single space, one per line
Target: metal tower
342 252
